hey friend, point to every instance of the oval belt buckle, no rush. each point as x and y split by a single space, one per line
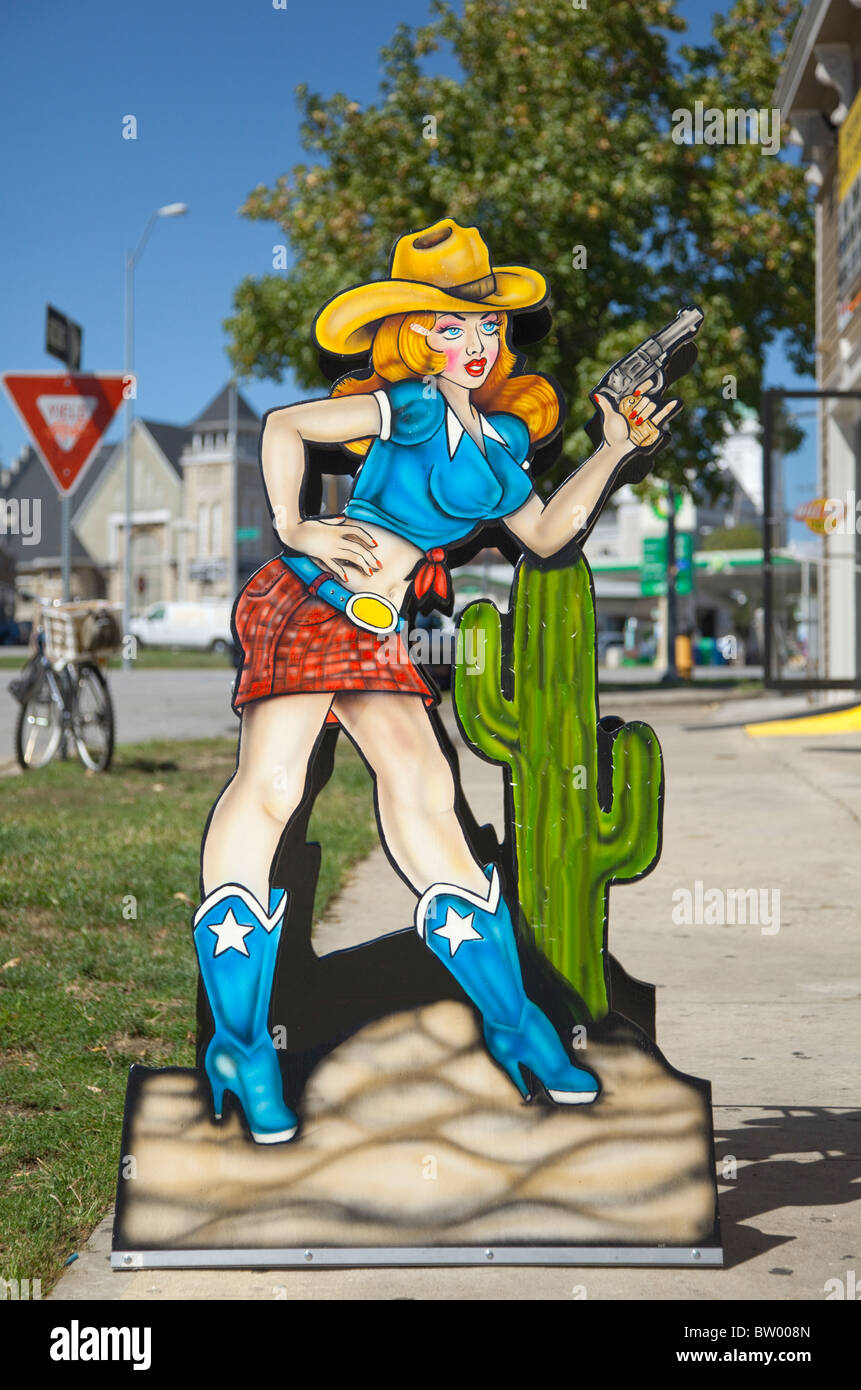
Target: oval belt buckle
373 613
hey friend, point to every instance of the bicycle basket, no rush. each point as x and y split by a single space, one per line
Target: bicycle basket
71 628
101 631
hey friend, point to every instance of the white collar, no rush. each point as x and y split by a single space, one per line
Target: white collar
454 430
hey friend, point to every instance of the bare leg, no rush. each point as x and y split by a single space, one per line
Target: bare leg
462 916
237 929
276 742
415 789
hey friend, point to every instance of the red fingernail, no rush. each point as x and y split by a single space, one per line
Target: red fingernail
637 392
639 420
632 414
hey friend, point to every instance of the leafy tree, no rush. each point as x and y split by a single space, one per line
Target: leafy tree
746 536
557 134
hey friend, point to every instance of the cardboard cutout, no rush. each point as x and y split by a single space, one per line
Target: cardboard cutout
484 1084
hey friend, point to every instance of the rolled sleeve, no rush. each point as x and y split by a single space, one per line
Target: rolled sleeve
385 414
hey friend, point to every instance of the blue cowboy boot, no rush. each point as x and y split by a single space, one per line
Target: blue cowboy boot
237 944
474 939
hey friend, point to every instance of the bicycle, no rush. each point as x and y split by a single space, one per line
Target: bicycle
62 691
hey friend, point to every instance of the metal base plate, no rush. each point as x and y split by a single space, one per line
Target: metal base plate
360 1256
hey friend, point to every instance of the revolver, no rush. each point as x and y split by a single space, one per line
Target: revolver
659 360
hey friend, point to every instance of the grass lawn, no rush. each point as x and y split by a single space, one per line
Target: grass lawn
85 991
147 658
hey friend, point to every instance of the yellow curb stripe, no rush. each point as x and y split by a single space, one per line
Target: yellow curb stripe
844 721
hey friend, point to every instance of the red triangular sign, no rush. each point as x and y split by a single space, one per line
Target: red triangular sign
65 414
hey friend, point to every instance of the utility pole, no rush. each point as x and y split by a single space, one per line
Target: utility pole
132 258
130 388
672 598
233 523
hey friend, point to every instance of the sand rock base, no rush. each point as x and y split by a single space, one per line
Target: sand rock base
411 1136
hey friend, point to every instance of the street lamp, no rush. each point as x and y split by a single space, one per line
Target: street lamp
132 258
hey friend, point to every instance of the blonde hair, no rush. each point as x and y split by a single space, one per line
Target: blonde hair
399 353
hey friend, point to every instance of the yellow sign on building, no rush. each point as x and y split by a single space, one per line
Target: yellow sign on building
849 149
849 215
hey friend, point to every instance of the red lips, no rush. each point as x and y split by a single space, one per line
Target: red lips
476 367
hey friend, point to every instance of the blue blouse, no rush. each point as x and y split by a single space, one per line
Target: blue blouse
426 479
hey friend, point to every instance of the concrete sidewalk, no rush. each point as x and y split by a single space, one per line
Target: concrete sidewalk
770 1017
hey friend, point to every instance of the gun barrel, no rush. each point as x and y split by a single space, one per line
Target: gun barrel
684 325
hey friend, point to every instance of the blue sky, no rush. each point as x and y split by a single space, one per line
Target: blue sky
211 84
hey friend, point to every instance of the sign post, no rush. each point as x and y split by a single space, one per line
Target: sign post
671 672
64 339
65 547
65 415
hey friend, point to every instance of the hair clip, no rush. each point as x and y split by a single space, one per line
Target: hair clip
417 328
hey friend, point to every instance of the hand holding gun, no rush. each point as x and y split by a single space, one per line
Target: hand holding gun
653 365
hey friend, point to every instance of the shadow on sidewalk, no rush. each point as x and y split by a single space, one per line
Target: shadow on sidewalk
789 1156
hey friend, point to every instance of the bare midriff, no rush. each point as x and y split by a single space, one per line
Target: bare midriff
396 556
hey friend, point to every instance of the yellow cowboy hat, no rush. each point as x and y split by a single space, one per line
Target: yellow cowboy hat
442 267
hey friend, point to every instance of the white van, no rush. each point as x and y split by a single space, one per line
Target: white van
201 626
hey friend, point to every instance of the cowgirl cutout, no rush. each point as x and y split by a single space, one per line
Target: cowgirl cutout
312 623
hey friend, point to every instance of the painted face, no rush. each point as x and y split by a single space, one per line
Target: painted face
470 344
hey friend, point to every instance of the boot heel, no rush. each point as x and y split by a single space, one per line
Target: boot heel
516 1075
217 1088
216 1083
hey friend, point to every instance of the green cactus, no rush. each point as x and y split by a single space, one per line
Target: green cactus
569 848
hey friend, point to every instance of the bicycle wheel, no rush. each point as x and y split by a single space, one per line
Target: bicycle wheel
93 719
39 728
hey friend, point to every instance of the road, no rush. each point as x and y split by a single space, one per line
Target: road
195 702
190 703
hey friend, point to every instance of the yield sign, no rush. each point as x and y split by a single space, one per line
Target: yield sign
65 414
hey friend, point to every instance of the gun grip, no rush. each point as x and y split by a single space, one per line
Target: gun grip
679 363
595 429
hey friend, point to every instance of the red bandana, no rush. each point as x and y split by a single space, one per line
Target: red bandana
433 575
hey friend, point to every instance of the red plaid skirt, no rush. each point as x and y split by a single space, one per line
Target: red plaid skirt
292 641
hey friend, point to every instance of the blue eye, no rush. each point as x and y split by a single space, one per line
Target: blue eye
452 332
492 326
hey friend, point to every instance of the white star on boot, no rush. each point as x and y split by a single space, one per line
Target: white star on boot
457 929
230 935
